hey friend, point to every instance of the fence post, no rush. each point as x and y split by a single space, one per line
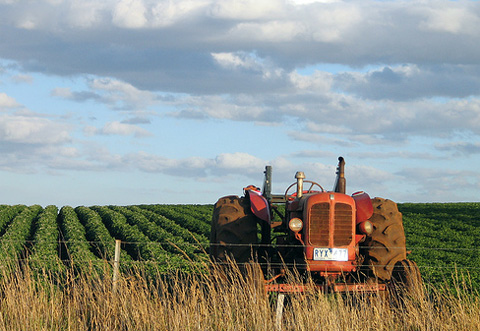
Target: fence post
116 264
279 311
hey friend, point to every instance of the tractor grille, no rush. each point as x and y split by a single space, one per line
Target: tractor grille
320 225
343 224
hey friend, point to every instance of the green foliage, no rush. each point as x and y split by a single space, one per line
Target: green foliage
444 237
171 226
202 213
139 245
78 248
168 241
185 220
98 235
16 234
7 213
45 246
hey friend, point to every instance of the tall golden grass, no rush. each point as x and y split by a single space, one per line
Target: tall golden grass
33 301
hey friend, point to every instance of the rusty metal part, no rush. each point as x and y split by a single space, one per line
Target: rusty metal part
335 288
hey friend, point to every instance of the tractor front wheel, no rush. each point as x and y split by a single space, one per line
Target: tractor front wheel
234 230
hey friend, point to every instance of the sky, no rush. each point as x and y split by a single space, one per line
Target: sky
184 101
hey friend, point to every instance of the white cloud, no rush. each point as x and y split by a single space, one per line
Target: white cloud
118 128
220 107
27 23
452 19
7 101
239 160
122 95
309 2
231 60
130 14
272 31
31 130
249 62
168 12
86 13
246 9
116 94
318 82
188 167
336 23
225 164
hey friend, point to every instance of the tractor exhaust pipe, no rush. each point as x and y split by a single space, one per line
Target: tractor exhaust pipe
267 183
340 182
300 176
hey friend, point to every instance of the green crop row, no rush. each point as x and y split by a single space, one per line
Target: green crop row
170 226
44 254
7 213
74 235
169 242
85 236
138 244
202 213
184 220
16 234
98 235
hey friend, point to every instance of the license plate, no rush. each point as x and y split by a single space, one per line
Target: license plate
330 254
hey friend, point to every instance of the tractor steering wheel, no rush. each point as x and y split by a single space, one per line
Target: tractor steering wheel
292 196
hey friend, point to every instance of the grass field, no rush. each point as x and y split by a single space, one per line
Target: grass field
213 302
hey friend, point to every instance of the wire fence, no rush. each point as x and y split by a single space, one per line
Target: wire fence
203 248
206 245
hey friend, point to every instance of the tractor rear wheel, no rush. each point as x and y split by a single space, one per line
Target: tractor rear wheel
406 282
234 230
386 245
406 274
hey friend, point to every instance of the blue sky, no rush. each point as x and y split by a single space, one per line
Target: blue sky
138 101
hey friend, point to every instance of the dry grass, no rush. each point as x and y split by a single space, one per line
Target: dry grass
210 302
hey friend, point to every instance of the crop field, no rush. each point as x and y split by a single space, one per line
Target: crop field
443 238
52 239
56 274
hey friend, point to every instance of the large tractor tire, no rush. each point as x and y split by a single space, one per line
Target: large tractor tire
407 275
234 230
406 283
386 245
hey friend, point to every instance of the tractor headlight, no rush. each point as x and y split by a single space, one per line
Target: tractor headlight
366 227
295 224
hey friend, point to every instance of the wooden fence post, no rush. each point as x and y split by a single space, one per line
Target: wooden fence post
116 264
279 312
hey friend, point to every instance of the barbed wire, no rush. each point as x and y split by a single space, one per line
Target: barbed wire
204 245
154 262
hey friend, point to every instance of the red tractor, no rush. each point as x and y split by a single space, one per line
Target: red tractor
345 243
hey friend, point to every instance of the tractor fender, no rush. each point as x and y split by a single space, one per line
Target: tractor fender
363 205
259 205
